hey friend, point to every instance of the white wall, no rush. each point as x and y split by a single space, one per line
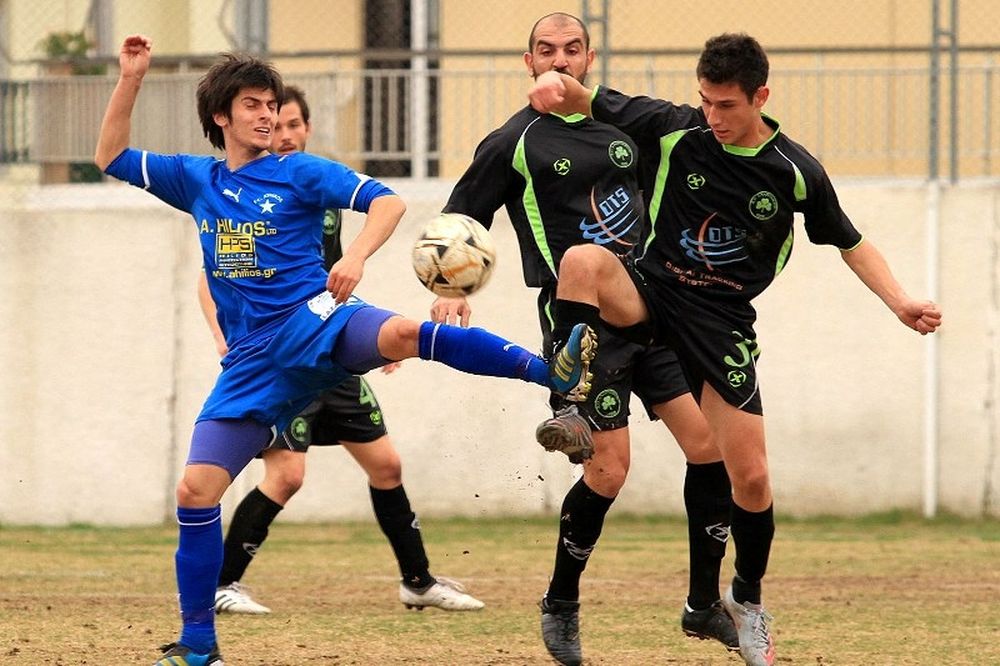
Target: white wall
104 361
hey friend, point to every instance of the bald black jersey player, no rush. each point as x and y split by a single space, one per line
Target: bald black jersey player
566 181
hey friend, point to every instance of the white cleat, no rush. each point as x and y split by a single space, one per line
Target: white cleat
446 594
235 598
756 643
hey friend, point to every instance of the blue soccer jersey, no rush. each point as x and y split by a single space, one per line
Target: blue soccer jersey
257 225
261 243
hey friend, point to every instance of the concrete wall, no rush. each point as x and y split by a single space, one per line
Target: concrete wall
105 360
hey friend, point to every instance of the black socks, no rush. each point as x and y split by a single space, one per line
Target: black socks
752 534
567 314
247 532
402 529
708 500
580 524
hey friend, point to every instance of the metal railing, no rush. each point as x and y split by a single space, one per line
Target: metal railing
858 121
15 145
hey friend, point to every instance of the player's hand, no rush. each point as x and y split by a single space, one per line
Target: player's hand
922 316
221 346
453 311
390 368
344 277
548 93
134 56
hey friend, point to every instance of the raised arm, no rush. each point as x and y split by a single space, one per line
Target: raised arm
871 267
384 214
559 93
116 127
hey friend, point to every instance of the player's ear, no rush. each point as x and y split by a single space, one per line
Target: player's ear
220 119
591 54
760 97
528 62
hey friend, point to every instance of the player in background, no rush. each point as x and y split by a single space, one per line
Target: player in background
349 415
567 180
292 328
723 183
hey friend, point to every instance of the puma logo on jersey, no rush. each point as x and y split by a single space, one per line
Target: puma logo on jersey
235 195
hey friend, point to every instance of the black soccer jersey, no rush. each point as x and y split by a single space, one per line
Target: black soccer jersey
332 250
564 180
721 215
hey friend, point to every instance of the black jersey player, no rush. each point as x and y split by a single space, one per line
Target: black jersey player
565 181
722 184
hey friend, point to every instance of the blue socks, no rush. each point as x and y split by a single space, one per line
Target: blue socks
198 561
479 352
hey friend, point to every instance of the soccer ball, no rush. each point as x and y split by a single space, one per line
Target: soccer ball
454 255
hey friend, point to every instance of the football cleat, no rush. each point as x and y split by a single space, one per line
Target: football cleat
445 593
569 369
711 623
175 654
568 432
561 630
235 598
756 644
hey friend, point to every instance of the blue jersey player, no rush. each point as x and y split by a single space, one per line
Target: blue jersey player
292 329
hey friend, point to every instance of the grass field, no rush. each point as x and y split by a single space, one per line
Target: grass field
891 590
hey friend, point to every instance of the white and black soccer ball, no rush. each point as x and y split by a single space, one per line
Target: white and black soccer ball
454 255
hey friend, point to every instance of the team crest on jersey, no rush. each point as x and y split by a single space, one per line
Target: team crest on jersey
608 403
763 205
620 154
268 202
561 166
331 222
299 429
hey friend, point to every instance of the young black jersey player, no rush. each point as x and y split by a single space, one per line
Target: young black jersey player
722 184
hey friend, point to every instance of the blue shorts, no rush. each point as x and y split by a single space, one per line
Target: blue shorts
277 376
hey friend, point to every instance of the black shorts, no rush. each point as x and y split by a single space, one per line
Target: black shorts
349 412
621 368
714 339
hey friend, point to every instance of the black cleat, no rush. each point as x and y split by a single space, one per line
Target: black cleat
561 630
712 623
175 654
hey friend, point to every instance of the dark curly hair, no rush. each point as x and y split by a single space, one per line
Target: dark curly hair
224 80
